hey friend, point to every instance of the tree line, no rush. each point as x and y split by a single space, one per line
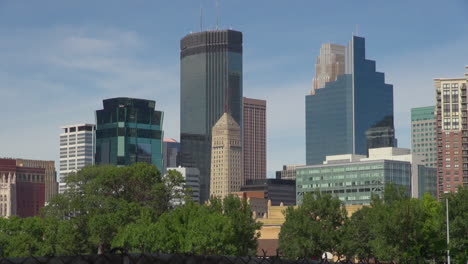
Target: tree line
131 207
394 227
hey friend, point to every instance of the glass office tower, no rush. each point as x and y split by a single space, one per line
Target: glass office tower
129 130
210 82
339 115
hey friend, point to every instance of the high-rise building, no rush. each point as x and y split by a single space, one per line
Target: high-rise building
210 79
287 173
226 157
129 130
423 134
330 64
50 176
171 150
254 139
452 133
22 188
355 178
192 183
339 115
76 150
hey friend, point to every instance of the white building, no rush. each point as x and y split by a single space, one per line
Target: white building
192 181
76 150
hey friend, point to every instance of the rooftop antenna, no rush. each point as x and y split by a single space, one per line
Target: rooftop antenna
357 30
217 14
201 18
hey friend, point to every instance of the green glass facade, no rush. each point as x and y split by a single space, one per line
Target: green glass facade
129 130
355 182
423 134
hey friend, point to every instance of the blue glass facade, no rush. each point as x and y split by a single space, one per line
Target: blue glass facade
339 115
210 82
129 130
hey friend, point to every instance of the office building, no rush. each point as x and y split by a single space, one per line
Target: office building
330 64
226 157
277 191
129 130
171 149
423 134
452 133
192 182
210 79
355 178
50 176
254 138
22 188
287 173
76 150
339 115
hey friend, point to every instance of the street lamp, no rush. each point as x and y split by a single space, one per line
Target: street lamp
448 228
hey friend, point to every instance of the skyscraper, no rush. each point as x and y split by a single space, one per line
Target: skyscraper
76 150
171 150
129 130
210 79
423 134
339 115
226 157
330 64
254 139
452 133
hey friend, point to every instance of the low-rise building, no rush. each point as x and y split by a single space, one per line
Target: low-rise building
278 191
355 178
287 173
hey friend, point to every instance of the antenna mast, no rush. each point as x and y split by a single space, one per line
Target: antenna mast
201 18
217 14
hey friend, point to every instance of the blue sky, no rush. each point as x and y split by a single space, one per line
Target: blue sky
60 59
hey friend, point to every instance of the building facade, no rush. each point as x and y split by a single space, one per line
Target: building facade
355 178
287 173
254 138
76 150
171 150
22 188
210 81
192 182
226 157
330 64
50 177
129 130
424 134
452 133
277 191
339 115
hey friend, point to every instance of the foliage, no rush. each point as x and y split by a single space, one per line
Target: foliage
312 228
458 219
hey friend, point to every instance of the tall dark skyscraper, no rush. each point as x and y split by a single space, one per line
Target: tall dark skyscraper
351 113
129 130
210 81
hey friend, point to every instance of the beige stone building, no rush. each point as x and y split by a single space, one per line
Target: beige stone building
330 64
226 157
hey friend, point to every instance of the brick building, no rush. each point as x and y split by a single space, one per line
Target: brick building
22 189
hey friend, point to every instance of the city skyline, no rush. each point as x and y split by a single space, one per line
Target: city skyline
71 59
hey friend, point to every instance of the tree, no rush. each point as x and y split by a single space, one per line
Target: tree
102 199
312 228
244 225
458 219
